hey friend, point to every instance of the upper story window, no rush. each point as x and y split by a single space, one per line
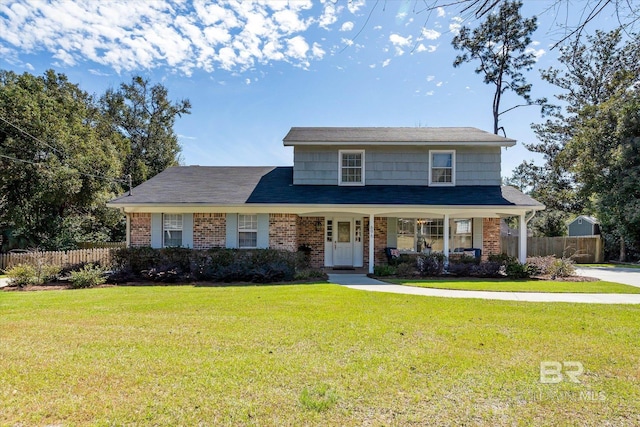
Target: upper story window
247 231
351 167
442 170
172 230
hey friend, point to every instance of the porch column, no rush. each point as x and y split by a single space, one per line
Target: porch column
523 239
128 229
445 248
371 242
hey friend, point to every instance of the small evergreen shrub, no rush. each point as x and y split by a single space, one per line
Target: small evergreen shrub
515 270
87 277
384 270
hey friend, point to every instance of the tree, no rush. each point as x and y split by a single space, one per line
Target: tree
144 116
582 140
499 44
57 164
626 12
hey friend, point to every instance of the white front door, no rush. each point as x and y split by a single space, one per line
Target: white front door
343 242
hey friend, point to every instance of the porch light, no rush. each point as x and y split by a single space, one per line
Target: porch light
318 225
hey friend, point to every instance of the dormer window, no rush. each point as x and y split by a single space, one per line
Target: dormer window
442 171
351 167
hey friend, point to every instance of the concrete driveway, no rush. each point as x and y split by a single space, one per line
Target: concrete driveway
627 276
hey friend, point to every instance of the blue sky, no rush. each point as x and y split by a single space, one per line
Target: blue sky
253 69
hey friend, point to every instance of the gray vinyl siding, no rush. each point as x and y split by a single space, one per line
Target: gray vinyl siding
404 165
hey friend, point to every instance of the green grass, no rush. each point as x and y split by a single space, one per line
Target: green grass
502 285
309 355
609 265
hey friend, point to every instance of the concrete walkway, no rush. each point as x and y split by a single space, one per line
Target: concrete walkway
364 283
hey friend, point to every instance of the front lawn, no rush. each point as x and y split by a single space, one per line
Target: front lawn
309 355
503 285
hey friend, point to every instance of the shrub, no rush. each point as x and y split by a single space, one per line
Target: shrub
461 269
562 267
407 269
22 275
384 270
27 274
431 265
515 270
87 277
541 264
486 269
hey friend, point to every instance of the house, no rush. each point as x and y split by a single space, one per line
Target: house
351 193
584 225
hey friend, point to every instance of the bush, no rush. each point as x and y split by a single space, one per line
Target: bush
26 274
541 264
87 277
384 270
482 269
562 267
515 270
407 269
22 275
220 265
431 265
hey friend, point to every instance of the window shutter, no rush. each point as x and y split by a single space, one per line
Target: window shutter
263 231
232 230
156 230
392 232
477 233
187 230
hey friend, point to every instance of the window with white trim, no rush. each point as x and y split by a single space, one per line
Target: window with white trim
247 231
171 230
427 234
351 167
442 167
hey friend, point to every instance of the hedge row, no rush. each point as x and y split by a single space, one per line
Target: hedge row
219 265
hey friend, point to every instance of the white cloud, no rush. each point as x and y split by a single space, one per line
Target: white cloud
438 84
124 35
430 93
430 78
441 12
430 34
372 65
455 25
347 26
377 27
355 5
386 62
29 67
398 40
247 81
422 48
536 52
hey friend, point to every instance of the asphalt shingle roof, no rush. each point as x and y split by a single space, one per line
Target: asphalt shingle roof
211 185
393 135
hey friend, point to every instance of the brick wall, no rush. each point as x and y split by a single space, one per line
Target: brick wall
283 232
140 229
380 240
209 230
311 233
491 243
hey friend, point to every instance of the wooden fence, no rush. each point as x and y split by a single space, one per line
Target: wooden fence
583 250
61 258
94 245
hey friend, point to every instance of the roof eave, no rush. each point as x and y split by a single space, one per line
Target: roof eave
505 143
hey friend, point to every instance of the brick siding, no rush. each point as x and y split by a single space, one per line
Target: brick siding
140 229
209 230
491 243
311 233
283 231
